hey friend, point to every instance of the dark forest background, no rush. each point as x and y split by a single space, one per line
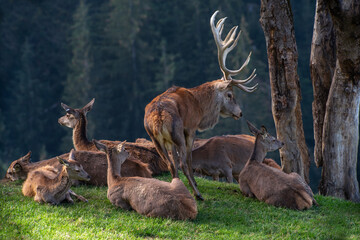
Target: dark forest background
124 53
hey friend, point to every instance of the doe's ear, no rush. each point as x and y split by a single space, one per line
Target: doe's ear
17 167
67 108
63 161
252 128
100 146
72 155
263 130
88 106
27 157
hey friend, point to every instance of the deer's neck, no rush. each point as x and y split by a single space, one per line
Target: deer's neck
62 183
259 151
79 136
209 103
113 171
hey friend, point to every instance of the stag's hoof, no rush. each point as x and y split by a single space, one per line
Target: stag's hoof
199 197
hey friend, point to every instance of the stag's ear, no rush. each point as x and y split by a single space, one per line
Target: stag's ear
252 128
100 146
88 106
223 85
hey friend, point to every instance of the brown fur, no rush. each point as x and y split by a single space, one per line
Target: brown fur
271 185
95 163
76 119
172 118
48 184
224 156
19 169
149 197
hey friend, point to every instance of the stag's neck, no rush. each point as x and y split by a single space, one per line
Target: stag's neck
80 139
113 172
62 183
259 151
209 102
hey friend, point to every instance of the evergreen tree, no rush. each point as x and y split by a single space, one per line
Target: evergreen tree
78 83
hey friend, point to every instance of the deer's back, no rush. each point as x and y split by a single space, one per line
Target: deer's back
95 164
155 198
275 187
42 176
175 104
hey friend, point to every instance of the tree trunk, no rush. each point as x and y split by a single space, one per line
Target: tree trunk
322 65
277 22
341 124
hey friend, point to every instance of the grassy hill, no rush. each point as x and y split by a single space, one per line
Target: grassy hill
225 214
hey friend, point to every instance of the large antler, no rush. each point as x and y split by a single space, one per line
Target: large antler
224 48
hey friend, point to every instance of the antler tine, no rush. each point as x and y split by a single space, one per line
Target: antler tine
224 47
247 89
247 80
236 72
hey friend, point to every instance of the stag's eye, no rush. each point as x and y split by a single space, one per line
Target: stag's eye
229 95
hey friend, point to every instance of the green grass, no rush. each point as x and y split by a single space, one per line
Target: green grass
225 214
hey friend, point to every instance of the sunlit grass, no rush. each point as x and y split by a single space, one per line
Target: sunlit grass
225 214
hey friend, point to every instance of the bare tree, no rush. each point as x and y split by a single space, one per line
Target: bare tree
277 22
322 66
340 138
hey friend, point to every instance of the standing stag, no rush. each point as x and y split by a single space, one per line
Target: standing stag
172 118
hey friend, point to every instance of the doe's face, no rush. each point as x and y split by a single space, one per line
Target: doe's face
120 154
17 170
271 142
229 107
69 120
77 172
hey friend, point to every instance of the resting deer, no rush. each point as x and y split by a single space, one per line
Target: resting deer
76 119
271 185
149 197
48 184
224 156
19 169
95 164
172 118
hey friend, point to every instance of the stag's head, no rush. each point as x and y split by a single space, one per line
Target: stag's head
73 168
16 170
229 106
73 116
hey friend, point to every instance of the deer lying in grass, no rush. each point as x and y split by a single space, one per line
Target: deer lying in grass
149 197
96 165
19 169
76 119
48 184
224 156
271 185
172 118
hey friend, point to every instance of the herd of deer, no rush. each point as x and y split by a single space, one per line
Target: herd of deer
171 120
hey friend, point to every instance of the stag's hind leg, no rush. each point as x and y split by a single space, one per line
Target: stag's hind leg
184 166
165 156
